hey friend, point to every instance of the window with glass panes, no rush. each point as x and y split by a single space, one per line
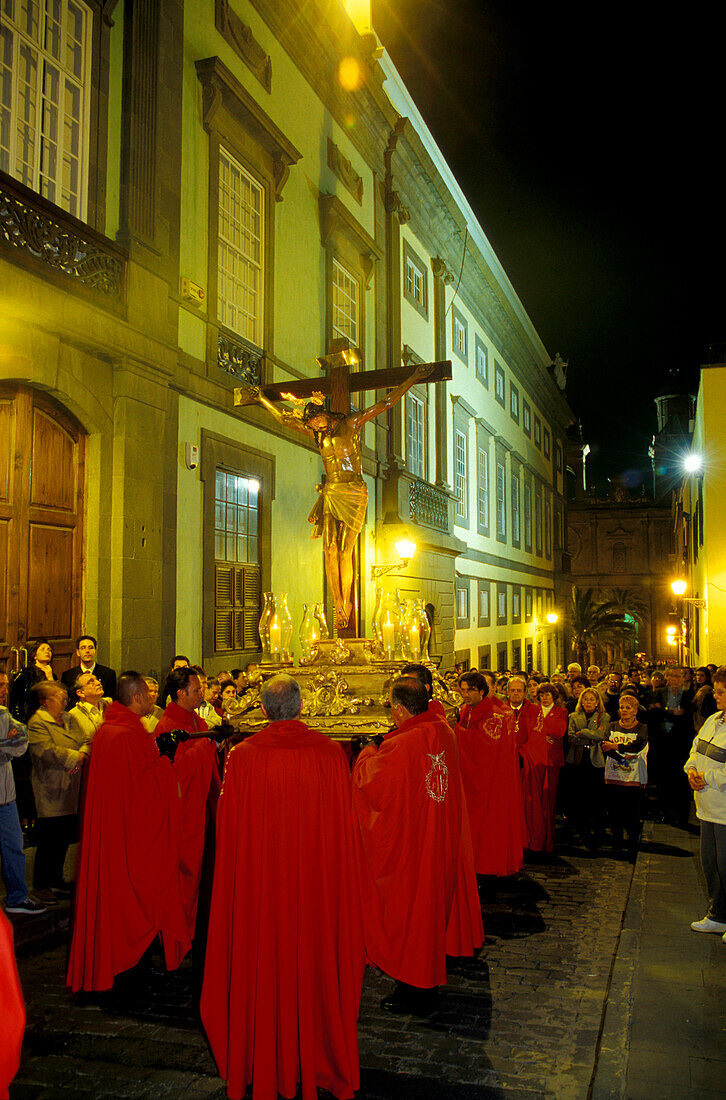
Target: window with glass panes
414 282
415 435
240 258
44 94
548 528
515 508
237 567
461 488
482 489
527 514
459 335
501 503
345 304
499 384
538 520
482 366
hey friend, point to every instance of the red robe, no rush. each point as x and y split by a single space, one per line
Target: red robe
490 770
285 958
542 758
129 887
12 1009
417 877
196 765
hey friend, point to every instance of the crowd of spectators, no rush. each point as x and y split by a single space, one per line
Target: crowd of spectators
491 777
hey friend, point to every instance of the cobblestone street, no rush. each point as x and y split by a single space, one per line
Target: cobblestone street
521 1020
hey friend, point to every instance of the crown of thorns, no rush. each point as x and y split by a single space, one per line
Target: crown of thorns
301 410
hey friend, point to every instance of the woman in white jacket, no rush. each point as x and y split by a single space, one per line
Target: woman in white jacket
706 771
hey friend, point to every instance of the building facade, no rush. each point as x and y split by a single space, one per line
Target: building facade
700 530
197 196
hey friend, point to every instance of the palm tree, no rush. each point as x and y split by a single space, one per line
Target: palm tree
629 601
596 621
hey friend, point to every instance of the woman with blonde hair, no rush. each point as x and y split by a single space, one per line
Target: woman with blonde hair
583 777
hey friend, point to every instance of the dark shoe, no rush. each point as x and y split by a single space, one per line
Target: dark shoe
27 906
63 889
409 1000
45 895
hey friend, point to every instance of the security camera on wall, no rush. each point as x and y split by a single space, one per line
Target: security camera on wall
191 456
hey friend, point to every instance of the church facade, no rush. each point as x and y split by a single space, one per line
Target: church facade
198 196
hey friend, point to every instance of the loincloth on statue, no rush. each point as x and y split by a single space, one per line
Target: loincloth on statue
344 501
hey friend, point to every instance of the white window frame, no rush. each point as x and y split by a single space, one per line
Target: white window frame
527 514
345 304
461 475
415 281
500 384
415 435
241 250
514 402
526 418
516 523
482 363
482 487
501 501
459 336
32 57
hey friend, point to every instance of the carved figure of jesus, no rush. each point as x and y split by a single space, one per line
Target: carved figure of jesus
340 509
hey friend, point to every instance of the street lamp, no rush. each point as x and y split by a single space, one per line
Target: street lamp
693 464
678 587
405 548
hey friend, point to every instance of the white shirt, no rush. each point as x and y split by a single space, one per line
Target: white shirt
711 801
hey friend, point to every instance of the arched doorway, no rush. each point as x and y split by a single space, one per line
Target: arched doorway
41 526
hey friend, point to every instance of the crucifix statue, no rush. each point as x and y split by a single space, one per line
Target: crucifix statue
340 509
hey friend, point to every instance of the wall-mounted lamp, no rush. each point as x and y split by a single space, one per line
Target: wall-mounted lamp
405 548
678 587
550 619
693 464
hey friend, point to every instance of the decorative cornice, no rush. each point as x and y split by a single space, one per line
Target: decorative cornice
457 399
345 172
335 218
221 89
240 37
482 423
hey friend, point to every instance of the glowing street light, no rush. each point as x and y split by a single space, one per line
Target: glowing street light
678 587
693 464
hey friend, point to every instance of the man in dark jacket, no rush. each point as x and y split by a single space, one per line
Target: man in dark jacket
86 647
672 731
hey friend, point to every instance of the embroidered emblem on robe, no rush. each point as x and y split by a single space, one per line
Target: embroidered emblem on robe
437 780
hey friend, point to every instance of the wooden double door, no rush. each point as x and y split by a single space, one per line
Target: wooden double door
42 453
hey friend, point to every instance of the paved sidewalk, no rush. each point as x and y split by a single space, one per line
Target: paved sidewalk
665 1027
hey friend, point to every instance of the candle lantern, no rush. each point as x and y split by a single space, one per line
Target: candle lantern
275 629
415 631
388 627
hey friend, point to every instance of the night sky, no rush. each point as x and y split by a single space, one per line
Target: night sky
588 142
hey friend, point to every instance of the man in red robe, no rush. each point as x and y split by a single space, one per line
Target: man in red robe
410 804
12 1008
490 770
129 881
285 956
198 771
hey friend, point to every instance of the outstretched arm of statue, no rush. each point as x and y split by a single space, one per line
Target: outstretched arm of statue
253 395
392 397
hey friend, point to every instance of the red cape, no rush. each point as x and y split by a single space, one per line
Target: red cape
417 877
196 766
13 1009
541 758
128 879
490 770
285 958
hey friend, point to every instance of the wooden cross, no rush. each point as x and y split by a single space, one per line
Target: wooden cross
338 382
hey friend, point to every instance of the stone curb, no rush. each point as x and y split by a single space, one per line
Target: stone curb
611 1055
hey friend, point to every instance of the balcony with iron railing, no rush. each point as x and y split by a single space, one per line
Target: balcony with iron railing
44 239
